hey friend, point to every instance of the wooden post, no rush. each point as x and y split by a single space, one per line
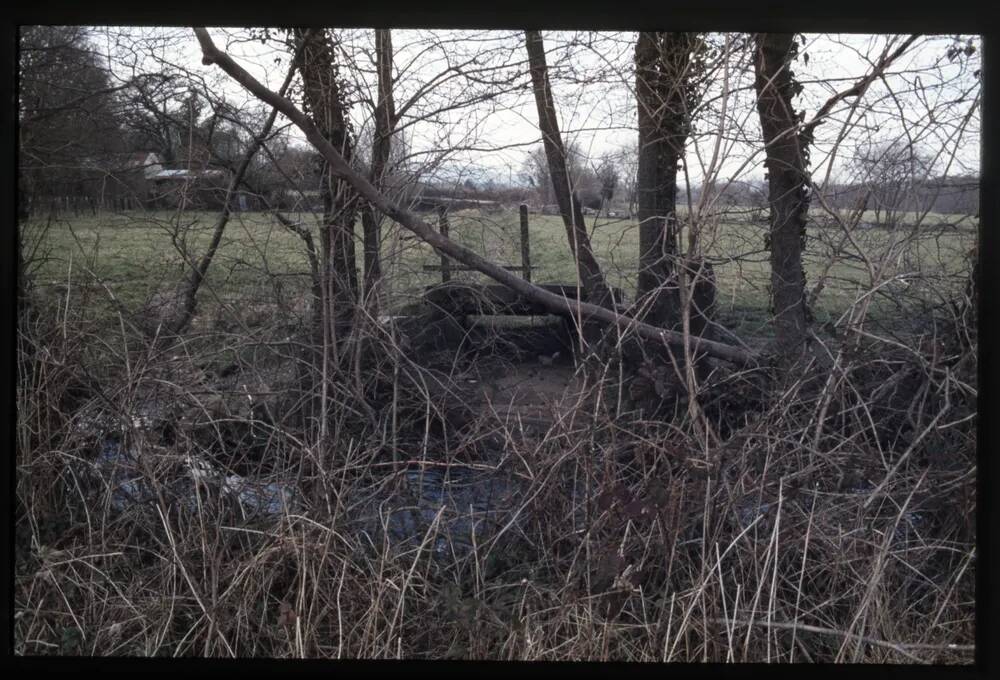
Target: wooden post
443 227
525 245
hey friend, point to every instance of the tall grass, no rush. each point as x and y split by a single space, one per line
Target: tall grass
829 517
822 514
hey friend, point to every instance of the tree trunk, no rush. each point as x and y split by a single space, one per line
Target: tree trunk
324 102
787 182
588 269
662 71
557 304
385 122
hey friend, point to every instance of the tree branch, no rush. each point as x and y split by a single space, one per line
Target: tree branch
198 272
556 304
859 88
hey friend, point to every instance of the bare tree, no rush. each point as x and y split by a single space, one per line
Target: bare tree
189 294
69 127
894 171
588 269
628 163
787 142
787 182
385 123
608 177
339 166
665 96
324 101
584 181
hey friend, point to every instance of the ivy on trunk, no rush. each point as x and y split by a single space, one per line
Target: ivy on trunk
788 180
665 66
324 102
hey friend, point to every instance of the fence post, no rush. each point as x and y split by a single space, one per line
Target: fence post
525 245
443 228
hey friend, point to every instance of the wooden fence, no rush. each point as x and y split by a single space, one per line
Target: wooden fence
447 266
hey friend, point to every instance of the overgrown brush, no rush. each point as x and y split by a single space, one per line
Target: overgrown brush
833 521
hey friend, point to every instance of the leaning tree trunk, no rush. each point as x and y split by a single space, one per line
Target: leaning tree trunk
556 304
324 102
385 122
787 186
663 93
588 269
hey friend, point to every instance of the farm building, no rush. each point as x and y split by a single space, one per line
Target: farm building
186 187
429 203
115 181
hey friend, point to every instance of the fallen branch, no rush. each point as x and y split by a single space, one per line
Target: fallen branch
557 304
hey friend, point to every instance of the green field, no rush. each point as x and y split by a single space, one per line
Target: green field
137 254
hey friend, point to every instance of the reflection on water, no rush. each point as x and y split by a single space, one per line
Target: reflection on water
473 504
119 469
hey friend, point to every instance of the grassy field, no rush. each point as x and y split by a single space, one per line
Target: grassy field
137 254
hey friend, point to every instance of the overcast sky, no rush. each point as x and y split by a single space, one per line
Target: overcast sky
925 94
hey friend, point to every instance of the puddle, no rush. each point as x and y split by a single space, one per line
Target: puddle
270 499
188 484
749 511
473 506
120 471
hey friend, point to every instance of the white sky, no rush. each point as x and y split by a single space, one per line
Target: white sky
593 81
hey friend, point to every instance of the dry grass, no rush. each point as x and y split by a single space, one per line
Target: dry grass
825 516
